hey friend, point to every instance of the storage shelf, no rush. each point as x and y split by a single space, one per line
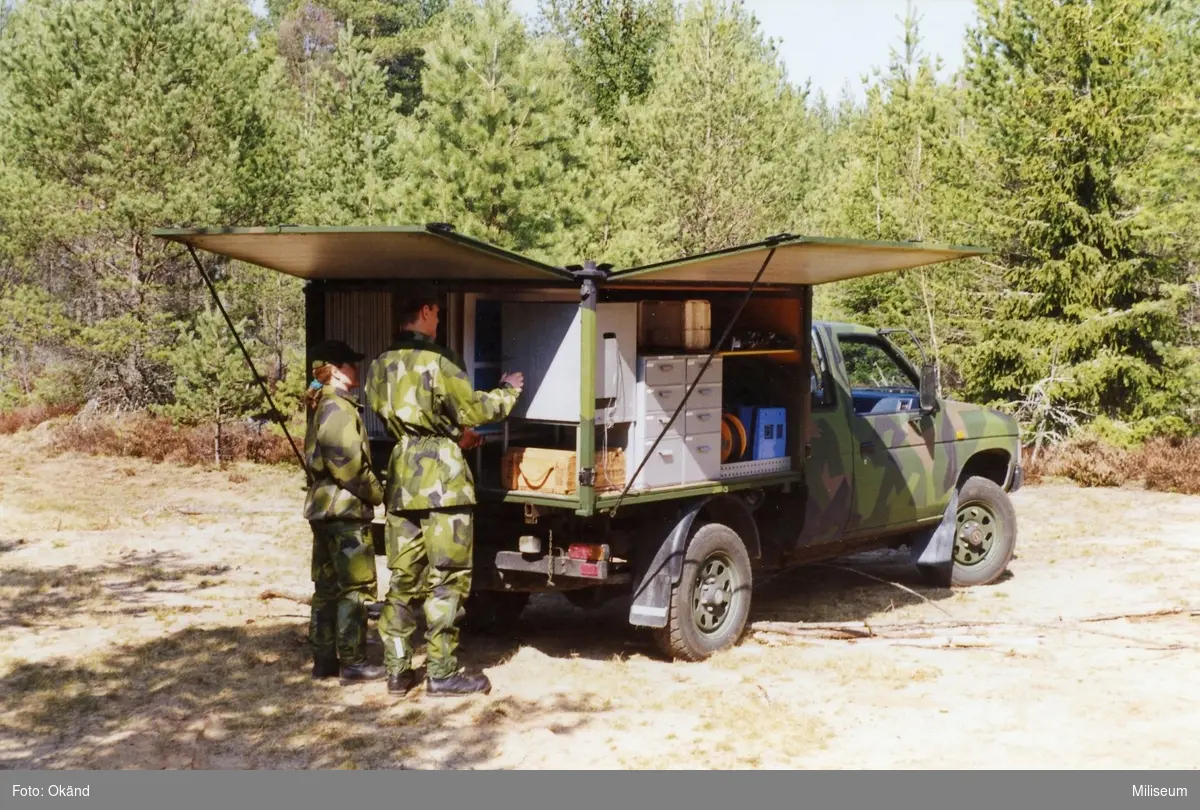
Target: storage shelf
749 352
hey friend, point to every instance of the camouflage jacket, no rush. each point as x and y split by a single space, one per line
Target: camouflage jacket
344 487
421 392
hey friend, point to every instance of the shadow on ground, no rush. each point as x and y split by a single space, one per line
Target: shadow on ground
854 588
241 697
140 581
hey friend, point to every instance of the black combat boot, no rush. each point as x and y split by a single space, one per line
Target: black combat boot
460 683
402 682
325 667
357 673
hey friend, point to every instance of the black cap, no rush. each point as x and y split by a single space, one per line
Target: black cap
335 352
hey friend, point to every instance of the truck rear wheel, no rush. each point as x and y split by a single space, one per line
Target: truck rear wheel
710 604
985 533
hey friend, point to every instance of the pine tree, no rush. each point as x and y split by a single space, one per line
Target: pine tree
125 116
611 45
212 386
720 135
495 147
1069 95
394 32
907 174
348 162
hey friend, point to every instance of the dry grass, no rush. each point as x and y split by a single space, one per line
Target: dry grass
140 435
30 416
131 636
1165 465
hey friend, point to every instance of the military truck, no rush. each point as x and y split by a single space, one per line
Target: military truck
685 427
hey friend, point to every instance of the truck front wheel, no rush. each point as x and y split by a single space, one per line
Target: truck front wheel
710 604
985 533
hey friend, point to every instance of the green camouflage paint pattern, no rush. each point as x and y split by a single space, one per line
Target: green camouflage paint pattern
909 476
429 554
343 575
344 486
423 395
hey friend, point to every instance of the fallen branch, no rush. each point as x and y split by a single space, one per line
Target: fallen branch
904 588
271 593
941 633
1112 617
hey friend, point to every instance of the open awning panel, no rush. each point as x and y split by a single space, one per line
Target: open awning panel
369 253
797 260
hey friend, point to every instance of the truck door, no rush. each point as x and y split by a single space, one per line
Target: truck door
893 444
829 468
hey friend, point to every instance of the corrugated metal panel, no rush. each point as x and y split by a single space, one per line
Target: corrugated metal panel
364 321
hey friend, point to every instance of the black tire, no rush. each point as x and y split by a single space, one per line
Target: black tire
713 546
986 504
494 613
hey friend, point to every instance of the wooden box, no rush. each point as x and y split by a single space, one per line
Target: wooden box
554 472
675 325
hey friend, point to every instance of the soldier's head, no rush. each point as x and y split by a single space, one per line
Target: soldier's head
418 311
334 363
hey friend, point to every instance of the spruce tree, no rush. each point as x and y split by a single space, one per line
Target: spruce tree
1069 95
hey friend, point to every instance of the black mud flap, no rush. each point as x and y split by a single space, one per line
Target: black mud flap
933 553
654 576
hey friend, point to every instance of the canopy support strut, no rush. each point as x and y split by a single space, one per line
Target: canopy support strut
263 383
707 361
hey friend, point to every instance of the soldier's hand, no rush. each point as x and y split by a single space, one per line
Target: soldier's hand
470 439
516 379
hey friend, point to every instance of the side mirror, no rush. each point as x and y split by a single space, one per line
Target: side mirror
928 395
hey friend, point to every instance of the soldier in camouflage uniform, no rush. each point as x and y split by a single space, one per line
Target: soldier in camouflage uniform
423 395
339 507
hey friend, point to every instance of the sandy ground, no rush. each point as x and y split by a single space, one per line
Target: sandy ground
132 636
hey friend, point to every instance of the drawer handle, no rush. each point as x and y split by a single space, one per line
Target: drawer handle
666 453
667 366
704 448
704 417
703 391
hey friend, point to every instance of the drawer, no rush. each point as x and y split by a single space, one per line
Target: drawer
712 374
705 395
660 398
664 468
664 371
698 420
702 458
653 424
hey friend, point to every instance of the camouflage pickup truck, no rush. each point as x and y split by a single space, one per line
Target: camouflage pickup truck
658 492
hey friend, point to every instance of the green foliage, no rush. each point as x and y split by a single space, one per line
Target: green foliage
32 326
394 31
718 135
212 386
494 147
624 131
611 45
348 159
1065 87
907 174
120 117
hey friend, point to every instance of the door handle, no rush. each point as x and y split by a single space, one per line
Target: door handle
867 448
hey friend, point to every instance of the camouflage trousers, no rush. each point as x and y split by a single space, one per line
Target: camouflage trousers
343 574
429 553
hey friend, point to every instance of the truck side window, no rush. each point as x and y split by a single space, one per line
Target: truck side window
879 384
